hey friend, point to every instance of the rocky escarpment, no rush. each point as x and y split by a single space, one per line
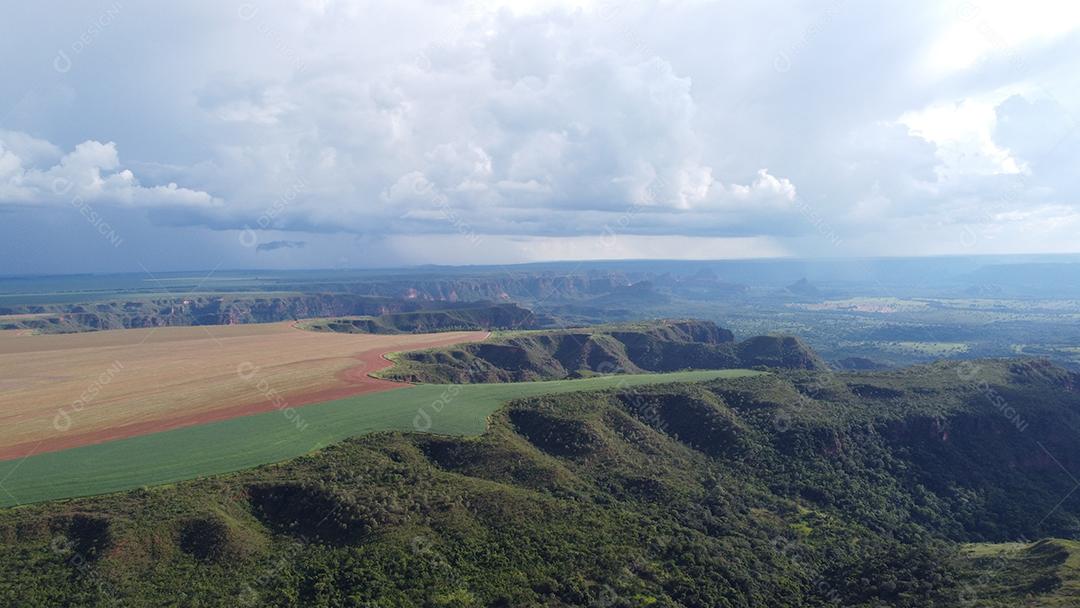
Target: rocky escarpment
585 296
662 346
214 310
779 351
497 316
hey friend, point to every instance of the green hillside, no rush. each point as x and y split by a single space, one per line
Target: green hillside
796 488
659 346
1043 574
249 441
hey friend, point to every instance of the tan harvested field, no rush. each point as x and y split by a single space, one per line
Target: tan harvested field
62 391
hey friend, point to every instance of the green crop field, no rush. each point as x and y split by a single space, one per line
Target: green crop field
250 441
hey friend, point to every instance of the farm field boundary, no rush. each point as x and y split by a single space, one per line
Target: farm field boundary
250 441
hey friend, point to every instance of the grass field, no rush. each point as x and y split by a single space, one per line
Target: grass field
63 391
250 441
1044 573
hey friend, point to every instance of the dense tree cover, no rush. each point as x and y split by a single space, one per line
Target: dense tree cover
799 488
656 346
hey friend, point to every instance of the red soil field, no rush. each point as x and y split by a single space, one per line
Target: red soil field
64 391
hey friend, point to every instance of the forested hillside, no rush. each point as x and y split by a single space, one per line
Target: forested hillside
659 346
788 489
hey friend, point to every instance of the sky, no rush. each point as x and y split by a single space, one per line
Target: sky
141 135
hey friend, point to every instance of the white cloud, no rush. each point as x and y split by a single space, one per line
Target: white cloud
963 133
91 172
766 188
981 28
558 118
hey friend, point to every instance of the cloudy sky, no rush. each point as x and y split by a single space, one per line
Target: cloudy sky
336 133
